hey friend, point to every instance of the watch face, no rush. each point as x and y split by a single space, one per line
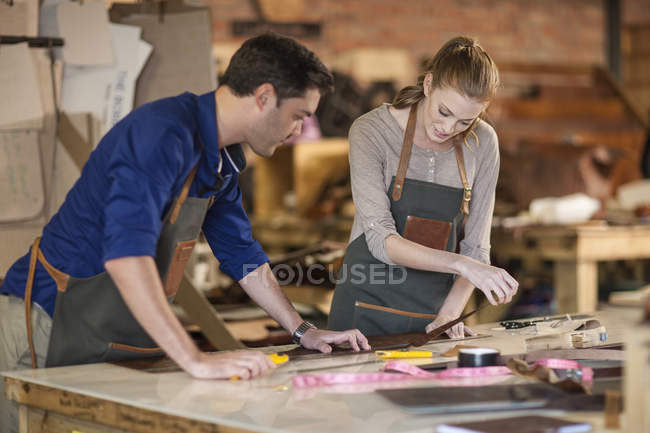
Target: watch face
300 331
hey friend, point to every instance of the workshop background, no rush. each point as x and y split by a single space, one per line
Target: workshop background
572 119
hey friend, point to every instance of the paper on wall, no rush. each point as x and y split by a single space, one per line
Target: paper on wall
107 92
85 30
131 54
21 106
85 89
19 19
21 180
182 56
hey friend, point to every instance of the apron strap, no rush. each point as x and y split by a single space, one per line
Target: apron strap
405 156
59 277
183 195
467 194
28 298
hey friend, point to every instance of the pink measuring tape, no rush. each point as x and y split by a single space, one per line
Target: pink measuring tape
406 371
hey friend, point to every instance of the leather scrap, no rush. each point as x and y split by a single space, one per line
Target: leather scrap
456 349
546 375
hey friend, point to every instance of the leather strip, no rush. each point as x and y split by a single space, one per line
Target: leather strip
60 278
422 339
613 409
129 348
467 194
394 310
183 195
405 156
28 298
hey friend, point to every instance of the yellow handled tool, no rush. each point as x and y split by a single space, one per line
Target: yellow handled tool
276 358
393 354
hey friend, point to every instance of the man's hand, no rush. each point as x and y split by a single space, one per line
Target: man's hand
244 364
321 339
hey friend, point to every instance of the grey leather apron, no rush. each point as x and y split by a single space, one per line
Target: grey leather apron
91 321
377 298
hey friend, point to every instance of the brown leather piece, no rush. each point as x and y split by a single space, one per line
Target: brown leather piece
613 409
384 342
60 278
519 424
177 266
405 156
454 351
394 310
377 342
130 348
28 298
545 374
428 232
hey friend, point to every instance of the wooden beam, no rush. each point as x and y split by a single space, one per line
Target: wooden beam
101 412
560 108
200 311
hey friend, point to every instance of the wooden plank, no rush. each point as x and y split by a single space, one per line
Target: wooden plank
103 412
545 68
624 97
575 286
614 243
559 108
201 312
273 179
637 380
33 420
315 165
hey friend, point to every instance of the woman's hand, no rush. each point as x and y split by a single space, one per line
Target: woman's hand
497 285
459 330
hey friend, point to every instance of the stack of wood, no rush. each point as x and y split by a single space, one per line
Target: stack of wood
564 130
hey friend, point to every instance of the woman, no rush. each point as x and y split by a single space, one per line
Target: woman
424 171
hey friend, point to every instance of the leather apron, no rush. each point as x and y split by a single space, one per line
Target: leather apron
403 299
91 321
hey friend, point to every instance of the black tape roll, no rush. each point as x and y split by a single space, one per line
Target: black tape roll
477 357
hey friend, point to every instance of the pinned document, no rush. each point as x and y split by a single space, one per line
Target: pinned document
85 29
21 106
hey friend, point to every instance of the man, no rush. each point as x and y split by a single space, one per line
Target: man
108 260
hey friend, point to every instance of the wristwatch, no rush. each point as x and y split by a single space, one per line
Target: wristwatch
300 331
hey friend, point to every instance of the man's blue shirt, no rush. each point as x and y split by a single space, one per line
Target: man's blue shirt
116 207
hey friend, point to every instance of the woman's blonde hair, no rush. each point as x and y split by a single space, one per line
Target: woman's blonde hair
461 64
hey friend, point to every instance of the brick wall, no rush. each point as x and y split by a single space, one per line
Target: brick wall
550 31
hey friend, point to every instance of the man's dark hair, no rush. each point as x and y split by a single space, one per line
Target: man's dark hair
270 58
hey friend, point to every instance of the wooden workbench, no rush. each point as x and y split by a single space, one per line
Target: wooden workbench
575 253
108 398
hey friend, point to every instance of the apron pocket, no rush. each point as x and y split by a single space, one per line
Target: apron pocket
378 320
428 232
124 352
182 254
